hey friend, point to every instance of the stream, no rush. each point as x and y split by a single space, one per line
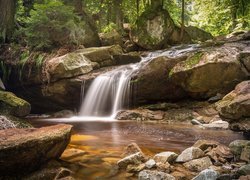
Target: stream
104 142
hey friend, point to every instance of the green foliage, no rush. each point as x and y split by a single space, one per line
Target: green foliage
109 28
51 25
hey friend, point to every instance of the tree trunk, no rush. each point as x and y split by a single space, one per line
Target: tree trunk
118 14
182 19
78 7
7 15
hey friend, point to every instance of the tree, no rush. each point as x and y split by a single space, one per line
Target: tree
7 15
182 18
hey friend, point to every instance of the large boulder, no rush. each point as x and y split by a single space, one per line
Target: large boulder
14 105
24 150
236 104
153 83
198 34
210 71
155 29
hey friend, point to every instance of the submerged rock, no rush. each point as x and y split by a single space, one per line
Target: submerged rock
25 150
14 105
190 154
132 149
207 174
154 175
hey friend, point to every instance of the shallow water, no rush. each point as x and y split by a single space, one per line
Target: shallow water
104 141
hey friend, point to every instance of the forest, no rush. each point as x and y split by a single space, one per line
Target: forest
125 89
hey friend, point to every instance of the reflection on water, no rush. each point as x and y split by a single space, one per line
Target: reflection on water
104 141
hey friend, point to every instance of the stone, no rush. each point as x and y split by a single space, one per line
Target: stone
236 104
155 29
164 157
127 58
244 170
244 177
135 159
132 168
196 122
190 154
207 174
205 144
63 114
163 167
69 65
5 123
217 125
150 163
19 148
244 58
209 72
221 153
198 34
198 165
153 77
111 38
245 154
132 149
154 175
237 146
72 153
13 104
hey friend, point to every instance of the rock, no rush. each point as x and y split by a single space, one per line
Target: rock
163 167
215 98
155 29
2 87
245 154
19 148
135 159
244 170
52 170
196 122
236 104
154 175
13 104
219 64
190 154
220 153
207 174
140 115
132 149
242 125
132 168
111 38
244 58
198 34
198 164
237 146
244 177
63 114
217 125
165 157
127 58
5 123
224 177
72 153
205 144
153 77
162 106
67 66
150 163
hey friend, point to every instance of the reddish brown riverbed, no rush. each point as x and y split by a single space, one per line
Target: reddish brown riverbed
104 142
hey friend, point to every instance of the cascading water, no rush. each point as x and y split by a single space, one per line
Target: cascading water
110 92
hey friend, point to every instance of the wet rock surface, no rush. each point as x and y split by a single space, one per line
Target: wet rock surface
19 148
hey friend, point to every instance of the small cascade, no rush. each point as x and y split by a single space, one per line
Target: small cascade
111 91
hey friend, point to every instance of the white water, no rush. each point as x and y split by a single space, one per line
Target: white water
110 92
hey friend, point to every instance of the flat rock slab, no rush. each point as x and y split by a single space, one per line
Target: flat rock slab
24 150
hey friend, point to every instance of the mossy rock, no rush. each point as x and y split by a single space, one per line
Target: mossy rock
14 105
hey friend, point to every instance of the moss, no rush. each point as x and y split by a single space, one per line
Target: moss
171 72
193 60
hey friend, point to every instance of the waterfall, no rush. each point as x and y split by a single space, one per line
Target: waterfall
111 91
